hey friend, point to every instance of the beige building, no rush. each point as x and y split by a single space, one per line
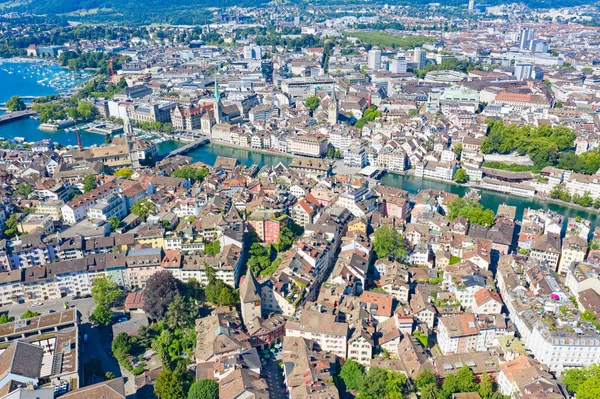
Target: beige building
312 146
574 249
330 335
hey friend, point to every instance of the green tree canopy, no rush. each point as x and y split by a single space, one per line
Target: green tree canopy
312 102
388 242
12 226
424 378
353 374
106 292
102 315
15 103
24 189
114 222
470 210
204 389
28 314
172 384
143 208
89 183
190 173
461 176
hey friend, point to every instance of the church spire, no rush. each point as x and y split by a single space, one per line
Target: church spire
332 111
217 103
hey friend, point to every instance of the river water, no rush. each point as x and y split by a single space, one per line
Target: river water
14 84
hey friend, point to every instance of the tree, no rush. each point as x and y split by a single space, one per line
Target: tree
172 384
220 294
466 379
204 389
125 173
102 315
28 314
486 386
15 104
388 242
161 288
106 292
114 222
458 150
424 378
89 183
430 392
286 239
450 386
472 211
24 189
4 318
12 226
143 208
212 248
583 382
180 312
461 176
121 345
312 103
375 382
353 374
190 173
109 375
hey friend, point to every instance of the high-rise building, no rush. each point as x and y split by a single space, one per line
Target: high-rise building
523 70
398 64
374 58
471 5
420 57
252 53
525 38
538 46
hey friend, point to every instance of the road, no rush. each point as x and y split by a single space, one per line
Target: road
273 375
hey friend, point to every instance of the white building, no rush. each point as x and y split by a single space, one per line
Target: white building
374 59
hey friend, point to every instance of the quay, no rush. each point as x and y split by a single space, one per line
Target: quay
13 116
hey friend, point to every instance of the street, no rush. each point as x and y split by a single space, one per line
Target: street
273 375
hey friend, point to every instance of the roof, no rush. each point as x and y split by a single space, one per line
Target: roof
111 389
379 302
23 359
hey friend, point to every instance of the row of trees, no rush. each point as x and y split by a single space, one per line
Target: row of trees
381 383
585 200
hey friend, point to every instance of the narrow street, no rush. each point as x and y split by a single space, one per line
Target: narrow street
273 375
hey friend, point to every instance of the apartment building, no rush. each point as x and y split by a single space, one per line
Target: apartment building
311 146
329 335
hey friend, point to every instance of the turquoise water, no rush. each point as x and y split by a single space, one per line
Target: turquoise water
36 79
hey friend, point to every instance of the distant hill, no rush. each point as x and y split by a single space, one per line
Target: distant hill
142 12
131 11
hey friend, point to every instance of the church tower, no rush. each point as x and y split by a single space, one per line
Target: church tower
250 299
217 109
332 109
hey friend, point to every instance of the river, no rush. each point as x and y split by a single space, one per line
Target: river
14 84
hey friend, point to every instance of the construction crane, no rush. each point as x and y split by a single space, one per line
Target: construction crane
78 138
110 64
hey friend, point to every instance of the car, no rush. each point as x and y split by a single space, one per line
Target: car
51 311
37 304
122 319
85 338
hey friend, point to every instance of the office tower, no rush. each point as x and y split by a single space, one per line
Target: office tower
523 70
471 5
538 46
420 57
374 58
525 38
252 53
398 64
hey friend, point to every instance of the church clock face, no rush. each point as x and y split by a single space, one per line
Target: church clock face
332 106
